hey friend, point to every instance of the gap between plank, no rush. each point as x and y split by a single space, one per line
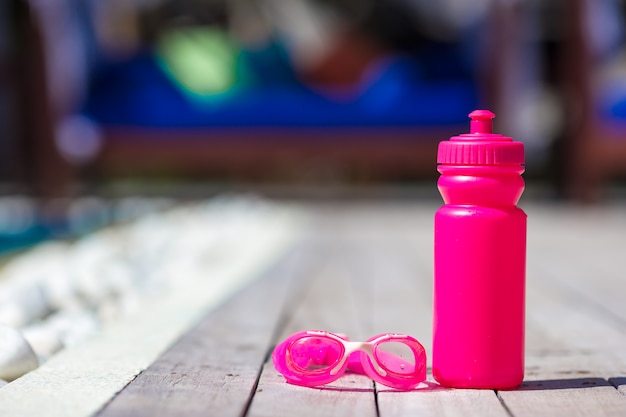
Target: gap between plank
376 398
293 294
617 383
105 405
255 386
503 403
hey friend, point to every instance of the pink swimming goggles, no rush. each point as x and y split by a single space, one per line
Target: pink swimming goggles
316 357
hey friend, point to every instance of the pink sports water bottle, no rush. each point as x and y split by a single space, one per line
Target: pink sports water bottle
480 260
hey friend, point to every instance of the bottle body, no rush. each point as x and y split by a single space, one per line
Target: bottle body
479 287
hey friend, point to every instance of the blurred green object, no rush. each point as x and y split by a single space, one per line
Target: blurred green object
205 62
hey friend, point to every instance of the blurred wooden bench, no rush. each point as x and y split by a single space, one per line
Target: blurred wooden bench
283 154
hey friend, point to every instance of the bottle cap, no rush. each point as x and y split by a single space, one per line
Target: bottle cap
481 146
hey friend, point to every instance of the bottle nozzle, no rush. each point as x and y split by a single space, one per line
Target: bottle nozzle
481 121
481 146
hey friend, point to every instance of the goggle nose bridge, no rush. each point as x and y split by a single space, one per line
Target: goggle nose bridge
367 348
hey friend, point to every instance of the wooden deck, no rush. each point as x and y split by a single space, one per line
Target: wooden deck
366 268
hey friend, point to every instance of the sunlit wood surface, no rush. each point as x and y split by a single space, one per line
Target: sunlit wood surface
366 268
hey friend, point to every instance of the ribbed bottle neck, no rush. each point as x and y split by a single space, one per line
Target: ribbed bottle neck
492 186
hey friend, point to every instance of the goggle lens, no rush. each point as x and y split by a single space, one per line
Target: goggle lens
396 357
312 354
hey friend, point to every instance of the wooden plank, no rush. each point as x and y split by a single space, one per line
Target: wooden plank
575 355
341 299
567 335
213 369
565 397
404 303
335 300
350 395
437 401
584 249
